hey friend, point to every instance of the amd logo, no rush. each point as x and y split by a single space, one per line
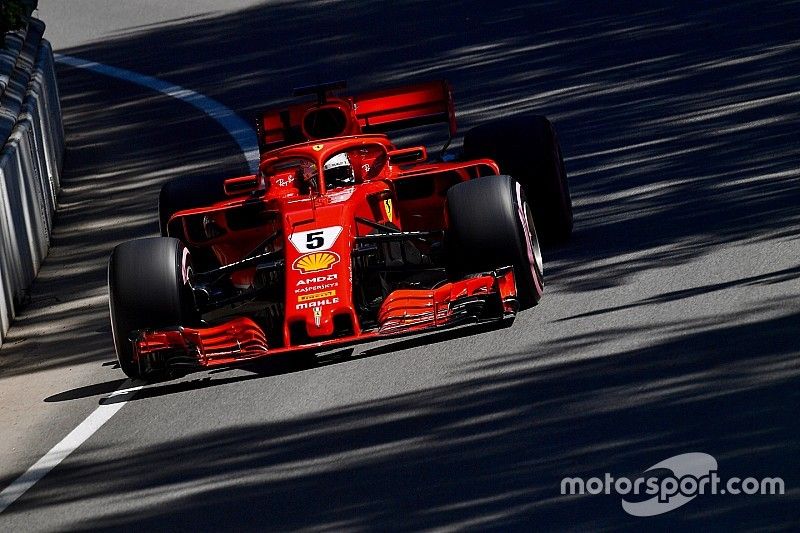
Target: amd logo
318 279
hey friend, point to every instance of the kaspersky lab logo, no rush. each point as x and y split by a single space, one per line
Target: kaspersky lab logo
689 475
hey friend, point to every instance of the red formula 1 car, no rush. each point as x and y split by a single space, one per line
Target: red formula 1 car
341 237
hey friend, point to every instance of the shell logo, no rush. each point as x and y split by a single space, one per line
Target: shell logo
315 262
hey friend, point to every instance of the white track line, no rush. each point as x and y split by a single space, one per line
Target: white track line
245 137
240 130
68 444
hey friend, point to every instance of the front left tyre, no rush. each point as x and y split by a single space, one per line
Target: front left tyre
149 285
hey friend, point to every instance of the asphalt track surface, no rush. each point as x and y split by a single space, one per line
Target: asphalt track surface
669 325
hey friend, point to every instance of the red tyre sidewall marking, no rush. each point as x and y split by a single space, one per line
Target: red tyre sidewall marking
537 281
185 268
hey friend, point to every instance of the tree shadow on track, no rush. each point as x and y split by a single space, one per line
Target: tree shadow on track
678 123
679 126
779 276
488 452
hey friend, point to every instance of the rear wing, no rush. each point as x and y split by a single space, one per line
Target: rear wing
406 107
373 112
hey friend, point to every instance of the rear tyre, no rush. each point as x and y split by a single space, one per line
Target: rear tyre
187 193
149 288
490 225
527 148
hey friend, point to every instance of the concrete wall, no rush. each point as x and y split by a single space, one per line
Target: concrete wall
32 139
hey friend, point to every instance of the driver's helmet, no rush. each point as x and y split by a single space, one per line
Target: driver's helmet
338 171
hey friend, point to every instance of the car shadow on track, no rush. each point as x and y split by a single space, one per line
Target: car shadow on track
273 366
96 389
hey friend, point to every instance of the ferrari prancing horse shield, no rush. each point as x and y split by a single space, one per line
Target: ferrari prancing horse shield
387 204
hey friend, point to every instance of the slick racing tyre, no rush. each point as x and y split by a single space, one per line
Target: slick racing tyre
149 288
490 225
187 193
527 148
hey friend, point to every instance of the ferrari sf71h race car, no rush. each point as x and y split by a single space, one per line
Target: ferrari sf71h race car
341 237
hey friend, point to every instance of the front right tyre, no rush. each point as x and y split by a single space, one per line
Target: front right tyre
489 226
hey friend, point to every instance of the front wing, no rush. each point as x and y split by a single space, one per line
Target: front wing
486 297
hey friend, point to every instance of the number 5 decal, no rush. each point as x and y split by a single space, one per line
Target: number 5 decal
315 239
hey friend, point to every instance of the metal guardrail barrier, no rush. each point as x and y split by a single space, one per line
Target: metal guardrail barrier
32 140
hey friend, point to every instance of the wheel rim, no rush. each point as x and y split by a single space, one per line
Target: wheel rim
533 240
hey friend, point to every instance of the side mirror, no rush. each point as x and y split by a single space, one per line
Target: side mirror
242 185
415 154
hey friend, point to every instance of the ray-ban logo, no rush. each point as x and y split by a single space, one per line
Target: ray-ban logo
670 484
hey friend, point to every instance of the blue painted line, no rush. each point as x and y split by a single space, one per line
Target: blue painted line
240 130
